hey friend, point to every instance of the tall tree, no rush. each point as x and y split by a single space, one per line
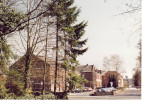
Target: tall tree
137 69
9 18
68 35
137 78
75 48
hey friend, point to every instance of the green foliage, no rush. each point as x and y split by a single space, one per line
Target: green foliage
4 90
14 88
9 18
47 96
44 97
14 84
5 54
75 81
62 95
137 78
66 15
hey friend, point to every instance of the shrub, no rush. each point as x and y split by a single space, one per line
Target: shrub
47 96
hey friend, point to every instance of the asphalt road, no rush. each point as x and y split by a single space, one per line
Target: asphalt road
127 94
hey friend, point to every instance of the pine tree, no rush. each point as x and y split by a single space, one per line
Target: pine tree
68 35
74 44
137 78
9 18
64 17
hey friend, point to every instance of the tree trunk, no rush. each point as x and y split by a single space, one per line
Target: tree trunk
56 61
28 59
45 66
65 66
27 70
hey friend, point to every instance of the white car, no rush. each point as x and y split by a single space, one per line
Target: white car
90 89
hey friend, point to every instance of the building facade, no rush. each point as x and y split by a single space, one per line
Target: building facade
112 78
37 73
98 78
88 72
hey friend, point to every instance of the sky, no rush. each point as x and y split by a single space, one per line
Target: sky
110 32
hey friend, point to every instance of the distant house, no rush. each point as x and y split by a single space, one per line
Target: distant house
37 71
98 78
114 77
88 72
128 81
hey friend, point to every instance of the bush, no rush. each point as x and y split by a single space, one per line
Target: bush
44 97
120 88
47 96
61 95
15 89
3 89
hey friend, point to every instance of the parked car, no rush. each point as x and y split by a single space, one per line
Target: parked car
77 90
85 89
112 88
90 89
106 90
109 89
98 89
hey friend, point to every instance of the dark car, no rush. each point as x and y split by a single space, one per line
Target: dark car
77 90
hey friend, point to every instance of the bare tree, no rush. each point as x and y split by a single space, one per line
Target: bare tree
32 36
113 63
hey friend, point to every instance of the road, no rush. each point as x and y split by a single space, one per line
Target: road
127 94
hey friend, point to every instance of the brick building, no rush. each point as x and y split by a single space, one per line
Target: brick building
119 79
98 78
37 70
88 72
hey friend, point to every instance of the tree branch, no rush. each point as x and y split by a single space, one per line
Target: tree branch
28 20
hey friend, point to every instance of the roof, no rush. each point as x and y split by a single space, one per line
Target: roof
50 61
21 61
112 72
85 68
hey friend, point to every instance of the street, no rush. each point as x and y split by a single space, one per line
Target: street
127 94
